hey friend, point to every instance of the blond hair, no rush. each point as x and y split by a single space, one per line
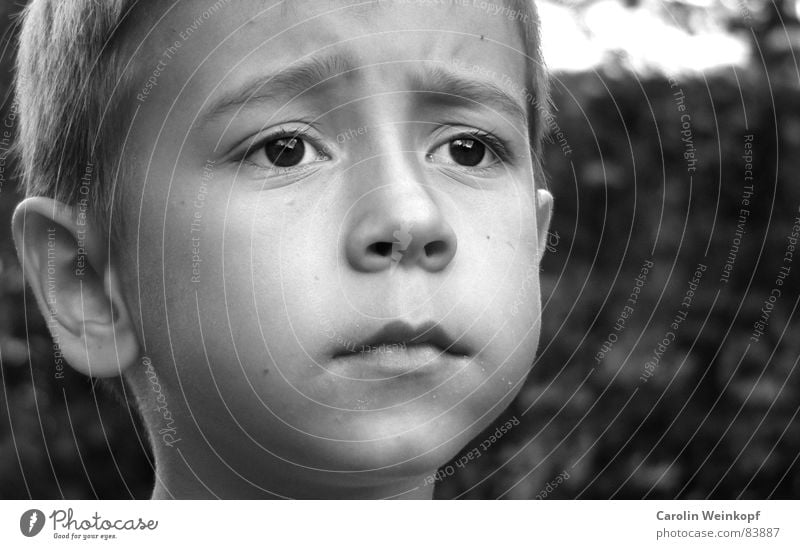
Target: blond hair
68 85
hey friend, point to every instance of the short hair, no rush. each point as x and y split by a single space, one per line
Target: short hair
71 78
66 73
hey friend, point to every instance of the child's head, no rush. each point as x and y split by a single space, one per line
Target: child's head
306 233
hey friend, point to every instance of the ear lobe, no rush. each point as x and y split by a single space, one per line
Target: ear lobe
76 287
544 213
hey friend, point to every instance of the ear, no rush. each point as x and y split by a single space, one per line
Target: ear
544 212
76 287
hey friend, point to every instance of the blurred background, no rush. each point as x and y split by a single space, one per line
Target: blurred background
606 412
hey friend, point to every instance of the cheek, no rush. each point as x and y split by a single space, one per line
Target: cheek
275 257
498 245
505 294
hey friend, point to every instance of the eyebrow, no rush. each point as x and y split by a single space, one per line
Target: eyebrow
286 83
453 87
457 87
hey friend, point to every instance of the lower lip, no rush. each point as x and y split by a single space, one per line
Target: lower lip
386 362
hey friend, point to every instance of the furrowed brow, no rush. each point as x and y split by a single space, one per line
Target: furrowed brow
282 85
454 87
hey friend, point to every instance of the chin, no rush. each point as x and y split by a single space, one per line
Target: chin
419 448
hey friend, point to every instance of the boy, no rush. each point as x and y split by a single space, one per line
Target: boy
306 234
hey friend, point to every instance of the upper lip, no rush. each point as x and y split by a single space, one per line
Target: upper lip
400 332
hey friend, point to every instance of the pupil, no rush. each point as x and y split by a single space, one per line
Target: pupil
285 152
467 152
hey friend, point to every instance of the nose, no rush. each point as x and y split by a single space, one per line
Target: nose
399 225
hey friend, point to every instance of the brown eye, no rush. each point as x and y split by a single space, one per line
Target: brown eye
285 152
467 152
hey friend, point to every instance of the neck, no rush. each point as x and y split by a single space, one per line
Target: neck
195 472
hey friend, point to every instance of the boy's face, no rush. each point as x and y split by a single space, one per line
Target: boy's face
312 187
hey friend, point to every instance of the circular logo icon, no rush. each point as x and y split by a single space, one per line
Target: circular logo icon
31 522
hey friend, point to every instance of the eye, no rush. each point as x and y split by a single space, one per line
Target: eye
469 151
286 151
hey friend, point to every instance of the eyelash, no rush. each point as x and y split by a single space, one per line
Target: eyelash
282 133
496 146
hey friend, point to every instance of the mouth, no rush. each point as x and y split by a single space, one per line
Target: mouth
399 336
399 347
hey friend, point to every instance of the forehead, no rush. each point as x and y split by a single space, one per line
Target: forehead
208 32
147 13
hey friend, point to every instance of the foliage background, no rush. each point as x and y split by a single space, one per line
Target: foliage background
719 416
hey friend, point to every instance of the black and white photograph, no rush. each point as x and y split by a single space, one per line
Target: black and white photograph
401 249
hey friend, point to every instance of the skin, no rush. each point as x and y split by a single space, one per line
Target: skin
244 376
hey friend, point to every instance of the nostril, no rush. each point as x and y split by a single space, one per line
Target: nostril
383 249
437 247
